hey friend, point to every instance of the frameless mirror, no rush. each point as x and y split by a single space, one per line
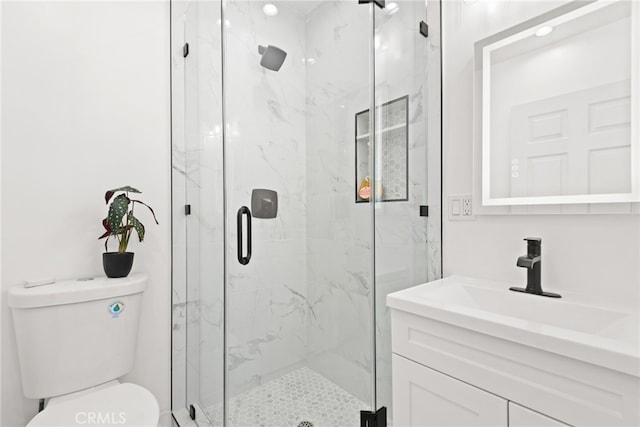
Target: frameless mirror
559 111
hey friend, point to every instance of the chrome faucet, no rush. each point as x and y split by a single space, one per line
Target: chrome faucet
532 261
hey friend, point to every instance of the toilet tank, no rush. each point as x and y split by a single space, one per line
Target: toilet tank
76 334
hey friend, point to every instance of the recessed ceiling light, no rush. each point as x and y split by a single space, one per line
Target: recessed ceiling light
392 8
270 9
543 31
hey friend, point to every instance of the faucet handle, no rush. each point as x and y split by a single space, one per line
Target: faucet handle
533 240
534 246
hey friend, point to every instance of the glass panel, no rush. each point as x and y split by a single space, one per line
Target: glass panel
192 160
198 259
208 214
407 245
299 312
178 192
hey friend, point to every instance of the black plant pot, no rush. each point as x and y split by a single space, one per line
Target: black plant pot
117 264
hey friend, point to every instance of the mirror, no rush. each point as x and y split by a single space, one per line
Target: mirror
559 111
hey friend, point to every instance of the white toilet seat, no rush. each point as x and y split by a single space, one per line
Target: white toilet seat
113 404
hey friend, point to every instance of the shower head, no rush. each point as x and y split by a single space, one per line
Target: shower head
272 57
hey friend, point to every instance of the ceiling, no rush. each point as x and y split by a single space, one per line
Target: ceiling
300 7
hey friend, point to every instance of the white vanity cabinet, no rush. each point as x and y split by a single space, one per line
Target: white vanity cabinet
520 416
424 397
468 352
427 398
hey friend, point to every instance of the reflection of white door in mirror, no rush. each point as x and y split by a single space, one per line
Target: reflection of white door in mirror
558 111
577 143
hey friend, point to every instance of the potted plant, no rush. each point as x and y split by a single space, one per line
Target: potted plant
121 222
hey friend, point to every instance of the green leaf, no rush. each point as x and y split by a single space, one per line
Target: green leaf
117 210
109 194
137 225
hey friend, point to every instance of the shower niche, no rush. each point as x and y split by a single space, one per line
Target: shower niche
392 156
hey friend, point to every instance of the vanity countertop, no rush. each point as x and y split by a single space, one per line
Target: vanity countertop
572 326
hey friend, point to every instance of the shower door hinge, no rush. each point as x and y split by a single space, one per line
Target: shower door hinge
187 209
424 29
379 3
185 50
374 419
192 412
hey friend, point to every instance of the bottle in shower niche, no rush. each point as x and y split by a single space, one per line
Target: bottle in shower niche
365 189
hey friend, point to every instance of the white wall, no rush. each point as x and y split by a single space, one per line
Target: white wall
595 254
85 108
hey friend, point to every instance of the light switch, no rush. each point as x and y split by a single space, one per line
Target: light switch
455 207
460 207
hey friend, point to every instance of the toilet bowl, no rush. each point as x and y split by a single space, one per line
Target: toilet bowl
75 338
112 404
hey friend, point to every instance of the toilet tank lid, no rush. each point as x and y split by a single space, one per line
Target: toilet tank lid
74 291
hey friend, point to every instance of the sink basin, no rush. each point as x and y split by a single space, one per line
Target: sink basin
568 326
530 308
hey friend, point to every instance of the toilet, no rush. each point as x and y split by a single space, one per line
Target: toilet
75 339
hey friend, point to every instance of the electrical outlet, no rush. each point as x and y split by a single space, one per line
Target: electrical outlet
461 207
466 206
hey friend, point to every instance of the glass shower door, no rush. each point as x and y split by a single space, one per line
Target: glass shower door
299 276
407 163
312 188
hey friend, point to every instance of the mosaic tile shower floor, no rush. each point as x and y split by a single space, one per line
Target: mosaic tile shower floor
301 395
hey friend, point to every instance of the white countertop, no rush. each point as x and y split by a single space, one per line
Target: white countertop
573 326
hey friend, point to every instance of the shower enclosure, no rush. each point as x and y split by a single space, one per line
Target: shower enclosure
306 187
